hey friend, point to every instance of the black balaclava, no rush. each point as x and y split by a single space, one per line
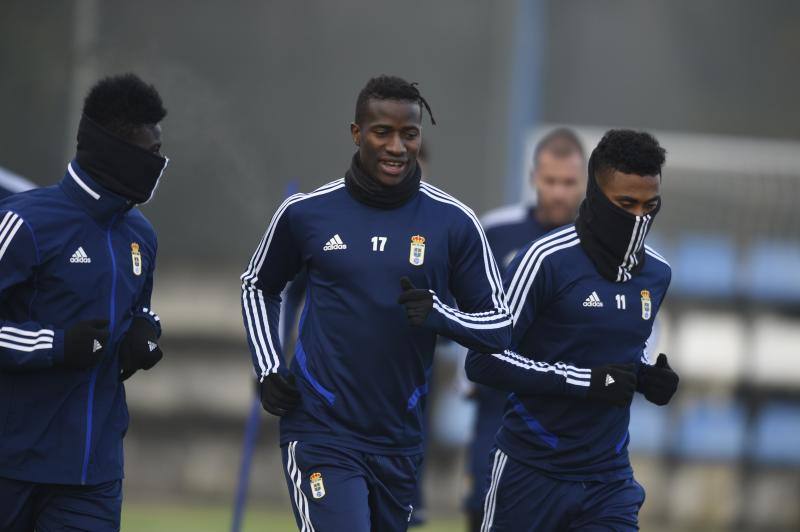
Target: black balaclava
368 190
611 236
119 166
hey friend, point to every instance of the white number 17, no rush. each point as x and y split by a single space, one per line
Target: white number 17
378 243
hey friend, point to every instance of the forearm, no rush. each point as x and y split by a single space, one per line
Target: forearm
512 372
29 346
486 331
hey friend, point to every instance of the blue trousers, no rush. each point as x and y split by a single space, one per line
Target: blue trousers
334 489
521 499
25 507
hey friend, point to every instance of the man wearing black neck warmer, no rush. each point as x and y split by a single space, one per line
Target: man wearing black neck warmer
584 298
76 274
391 263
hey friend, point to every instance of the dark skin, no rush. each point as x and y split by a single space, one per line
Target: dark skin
637 194
388 139
147 137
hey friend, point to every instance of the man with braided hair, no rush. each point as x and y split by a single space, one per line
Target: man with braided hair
388 258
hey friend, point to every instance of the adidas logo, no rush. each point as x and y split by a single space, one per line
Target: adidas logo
80 257
152 346
96 346
609 380
334 243
593 301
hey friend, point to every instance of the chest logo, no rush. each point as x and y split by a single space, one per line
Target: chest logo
593 301
334 243
317 486
647 305
80 257
416 255
136 259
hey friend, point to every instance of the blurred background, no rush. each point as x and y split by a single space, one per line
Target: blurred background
260 97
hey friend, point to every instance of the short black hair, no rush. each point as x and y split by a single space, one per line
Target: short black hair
562 142
389 88
627 151
124 103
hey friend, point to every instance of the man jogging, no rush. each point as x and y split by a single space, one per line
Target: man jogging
76 273
584 299
387 258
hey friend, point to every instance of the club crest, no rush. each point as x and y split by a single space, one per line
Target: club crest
136 259
317 486
417 254
647 305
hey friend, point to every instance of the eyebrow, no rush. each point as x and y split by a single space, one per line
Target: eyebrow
630 198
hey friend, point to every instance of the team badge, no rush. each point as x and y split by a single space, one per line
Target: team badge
647 305
136 258
317 486
417 254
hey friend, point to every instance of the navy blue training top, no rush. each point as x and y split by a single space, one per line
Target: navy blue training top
363 370
567 320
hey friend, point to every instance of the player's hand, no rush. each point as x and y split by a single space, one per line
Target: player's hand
85 343
279 393
139 348
658 383
614 383
418 302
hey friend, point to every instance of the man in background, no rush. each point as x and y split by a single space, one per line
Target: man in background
558 176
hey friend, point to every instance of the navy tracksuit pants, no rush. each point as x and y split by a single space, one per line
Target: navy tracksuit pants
25 507
522 499
334 489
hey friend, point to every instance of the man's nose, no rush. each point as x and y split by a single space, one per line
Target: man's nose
395 145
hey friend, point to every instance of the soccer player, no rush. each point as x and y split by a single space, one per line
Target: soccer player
559 178
583 299
11 183
387 259
76 273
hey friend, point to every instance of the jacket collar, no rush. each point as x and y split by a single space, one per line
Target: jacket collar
98 201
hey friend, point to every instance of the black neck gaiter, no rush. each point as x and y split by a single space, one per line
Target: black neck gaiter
612 237
370 191
119 166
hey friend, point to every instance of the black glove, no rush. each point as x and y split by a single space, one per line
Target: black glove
658 383
418 302
279 393
139 348
85 343
614 383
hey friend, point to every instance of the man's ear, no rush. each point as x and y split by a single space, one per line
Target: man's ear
355 131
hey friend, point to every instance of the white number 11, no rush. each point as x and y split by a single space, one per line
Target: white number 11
378 243
620 301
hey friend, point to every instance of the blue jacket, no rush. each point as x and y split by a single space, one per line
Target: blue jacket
567 320
363 370
68 253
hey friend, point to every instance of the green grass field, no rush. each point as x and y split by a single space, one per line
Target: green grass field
138 517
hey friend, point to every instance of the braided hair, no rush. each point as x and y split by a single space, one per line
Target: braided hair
389 88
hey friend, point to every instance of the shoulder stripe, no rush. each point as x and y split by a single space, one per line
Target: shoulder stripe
656 255
523 288
524 265
492 272
253 303
8 228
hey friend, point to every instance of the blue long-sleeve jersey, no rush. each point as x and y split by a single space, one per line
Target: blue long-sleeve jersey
68 253
362 368
567 320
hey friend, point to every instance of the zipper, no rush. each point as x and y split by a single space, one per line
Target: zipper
93 379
